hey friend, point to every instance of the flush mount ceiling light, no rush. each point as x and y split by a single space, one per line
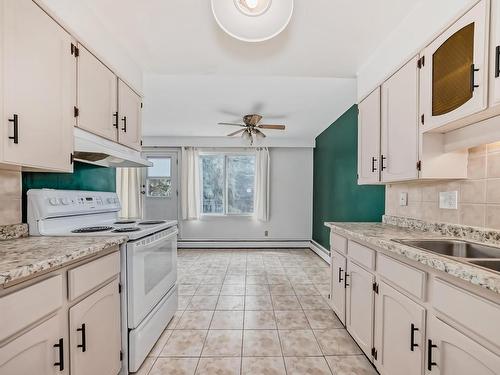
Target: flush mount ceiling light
252 20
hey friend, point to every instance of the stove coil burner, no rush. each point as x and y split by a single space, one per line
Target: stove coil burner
152 222
121 222
128 229
91 229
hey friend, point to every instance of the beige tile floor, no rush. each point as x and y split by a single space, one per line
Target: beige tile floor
254 312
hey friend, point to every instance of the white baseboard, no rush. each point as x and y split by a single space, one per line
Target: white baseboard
320 251
242 244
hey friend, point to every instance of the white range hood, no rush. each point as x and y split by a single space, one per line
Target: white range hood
90 148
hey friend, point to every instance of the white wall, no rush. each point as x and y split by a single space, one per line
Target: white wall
83 24
291 189
420 26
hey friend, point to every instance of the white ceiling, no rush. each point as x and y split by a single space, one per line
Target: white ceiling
180 39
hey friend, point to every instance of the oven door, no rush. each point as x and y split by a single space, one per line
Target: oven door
151 272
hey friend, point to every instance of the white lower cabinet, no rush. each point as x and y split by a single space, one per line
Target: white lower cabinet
449 352
360 305
399 333
337 295
95 333
39 351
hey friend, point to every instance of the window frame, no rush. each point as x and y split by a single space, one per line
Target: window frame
225 154
147 177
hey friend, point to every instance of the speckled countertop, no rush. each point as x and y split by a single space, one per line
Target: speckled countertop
381 235
27 257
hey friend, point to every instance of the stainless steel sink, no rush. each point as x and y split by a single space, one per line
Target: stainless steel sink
455 248
490 264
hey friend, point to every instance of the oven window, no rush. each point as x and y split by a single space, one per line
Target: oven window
157 265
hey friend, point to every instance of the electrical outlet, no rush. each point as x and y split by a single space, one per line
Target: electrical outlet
403 199
266 233
448 200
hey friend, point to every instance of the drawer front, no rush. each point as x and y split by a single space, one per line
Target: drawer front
338 243
475 313
403 276
361 254
26 306
87 277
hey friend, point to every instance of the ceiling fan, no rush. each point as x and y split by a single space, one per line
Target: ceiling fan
252 128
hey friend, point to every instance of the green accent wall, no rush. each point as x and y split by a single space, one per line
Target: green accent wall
84 177
337 196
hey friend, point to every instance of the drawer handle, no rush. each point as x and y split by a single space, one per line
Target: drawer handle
124 119
497 62
115 124
473 85
15 121
374 160
345 280
430 362
340 275
412 337
83 345
60 346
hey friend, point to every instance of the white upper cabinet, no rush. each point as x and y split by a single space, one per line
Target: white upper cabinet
399 333
449 352
39 88
454 74
495 54
129 112
369 139
97 96
399 126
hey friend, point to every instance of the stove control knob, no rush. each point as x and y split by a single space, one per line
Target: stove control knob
53 201
65 201
110 200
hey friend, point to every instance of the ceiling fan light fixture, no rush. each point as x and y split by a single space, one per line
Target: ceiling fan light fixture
252 8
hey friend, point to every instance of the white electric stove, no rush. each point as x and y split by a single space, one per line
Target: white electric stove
148 259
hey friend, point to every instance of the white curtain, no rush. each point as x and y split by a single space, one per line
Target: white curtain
128 188
190 184
262 170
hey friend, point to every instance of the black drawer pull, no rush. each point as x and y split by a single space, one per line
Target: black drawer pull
430 362
340 275
345 280
374 160
497 62
15 121
473 85
60 346
413 329
83 345
124 119
115 124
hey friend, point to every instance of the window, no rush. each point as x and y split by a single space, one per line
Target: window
159 178
227 184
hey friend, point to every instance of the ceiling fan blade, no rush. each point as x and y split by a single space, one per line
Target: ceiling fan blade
276 127
230 123
236 132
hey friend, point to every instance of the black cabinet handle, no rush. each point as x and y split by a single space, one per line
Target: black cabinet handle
473 85
60 364
124 119
83 345
345 280
15 121
374 160
413 329
340 275
497 62
115 124
430 362
382 164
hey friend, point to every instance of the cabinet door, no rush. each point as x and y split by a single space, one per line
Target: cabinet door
129 108
495 53
39 88
454 77
94 336
399 333
37 351
449 352
97 96
337 295
369 139
399 129
360 306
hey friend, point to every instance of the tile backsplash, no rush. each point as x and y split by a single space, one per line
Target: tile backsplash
10 197
478 196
